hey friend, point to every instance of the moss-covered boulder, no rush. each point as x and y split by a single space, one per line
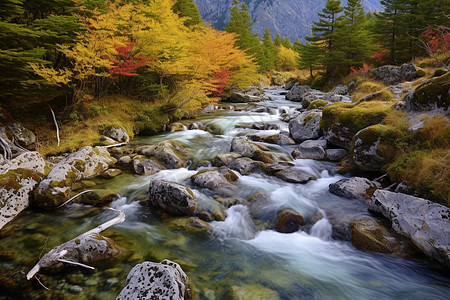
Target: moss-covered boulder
169 153
341 121
85 163
18 178
241 146
370 149
433 94
306 126
22 135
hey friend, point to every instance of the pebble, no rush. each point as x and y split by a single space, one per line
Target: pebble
91 282
75 289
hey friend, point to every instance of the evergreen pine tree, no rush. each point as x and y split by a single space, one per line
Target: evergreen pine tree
309 56
278 41
269 50
187 8
287 43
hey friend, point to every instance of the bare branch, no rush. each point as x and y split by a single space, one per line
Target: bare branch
56 124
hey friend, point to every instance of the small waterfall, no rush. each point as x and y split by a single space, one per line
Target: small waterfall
322 229
238 224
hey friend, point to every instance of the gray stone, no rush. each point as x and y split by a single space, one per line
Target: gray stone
147 166
311 149
214 179
125 160
172 197
425 223
75 289
306 126
392 75
18 179
366 154
169 153
246 166
335 154
290 84
339 135
354 188
85 163
240 97
297 92
241 146
162 281
341 89
22 135
294 175
224 159
118 134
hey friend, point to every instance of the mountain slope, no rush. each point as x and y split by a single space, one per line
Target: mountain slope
292 18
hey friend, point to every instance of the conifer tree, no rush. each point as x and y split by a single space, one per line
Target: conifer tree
278 41
187 8
269 50
309 56
287 43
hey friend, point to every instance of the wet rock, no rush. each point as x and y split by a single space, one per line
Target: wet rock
277 139
271 169
311 149
22 135
288 221
248 149
196 125
354 188
306 126
224 159
172 197
125 160
370 235
56 187
318 104
391 75
366 149
147 166
290 84
297 92
213 179
177 127
97 197
240 97
425 223
111 173
341 89
247 166
340 135
197 223
251 292
294 175
123 150
335 154
214 128
117 133
169 153
18 178
162 281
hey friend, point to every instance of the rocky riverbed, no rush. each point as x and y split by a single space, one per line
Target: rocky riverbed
243 203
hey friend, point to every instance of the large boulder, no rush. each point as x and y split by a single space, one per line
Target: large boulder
117 133
169 153
18 178
247 166
311 149
251 94
306 126
172 197
241 146
432 95
369 153
370 235
297 92
85 163
163 281
425 223
22 135
215 178
146 166
294 175
224 159
354 188
391 75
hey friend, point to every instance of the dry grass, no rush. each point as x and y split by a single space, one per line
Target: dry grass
368 87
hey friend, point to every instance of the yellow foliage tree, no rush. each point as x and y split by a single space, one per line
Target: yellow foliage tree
287 59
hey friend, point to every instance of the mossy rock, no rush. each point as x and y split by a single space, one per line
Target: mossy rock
318 104
430 95
439 72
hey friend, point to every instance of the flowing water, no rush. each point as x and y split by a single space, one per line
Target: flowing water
317 262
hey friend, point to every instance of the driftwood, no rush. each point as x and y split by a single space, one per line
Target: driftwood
72 250
56 125
7 153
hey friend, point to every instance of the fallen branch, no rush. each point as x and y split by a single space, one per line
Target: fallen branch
76 263
115 145
56 124
7 153
77 195
69 251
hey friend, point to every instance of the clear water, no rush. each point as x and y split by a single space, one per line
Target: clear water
317 262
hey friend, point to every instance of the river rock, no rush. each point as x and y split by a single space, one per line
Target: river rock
177 127
294 175
93 250
354 188
297 92
339 135
248 149
224 159
366 153
56 187
341 89
215 178
169 153
111 173
392 75
335 154
147 166
163 281
247 166
118 134
425 223
172 197
277 139
125 160
288 221
311 149
239 97
18 178
369 235
290 84
306 126
22 135
251 292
